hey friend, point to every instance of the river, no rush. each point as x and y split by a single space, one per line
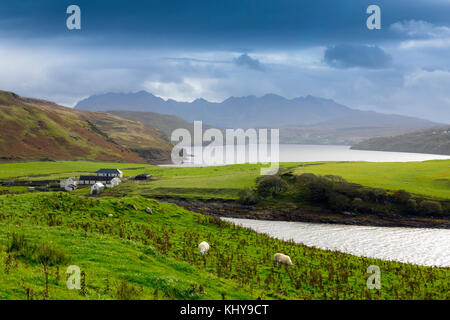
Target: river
421 246
309 153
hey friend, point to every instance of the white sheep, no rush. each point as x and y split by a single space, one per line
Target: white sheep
282 258
203 247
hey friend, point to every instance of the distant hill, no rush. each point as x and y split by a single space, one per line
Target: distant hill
33 129
434 141
301 120
163 122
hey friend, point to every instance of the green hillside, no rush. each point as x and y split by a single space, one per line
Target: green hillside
36 129
138 255
163 122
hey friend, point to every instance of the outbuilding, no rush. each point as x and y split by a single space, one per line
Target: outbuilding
143 177
97 188
113 183
109 173
70 184
94 179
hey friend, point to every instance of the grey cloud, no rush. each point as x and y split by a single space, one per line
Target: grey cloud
247 61
420 29
363 56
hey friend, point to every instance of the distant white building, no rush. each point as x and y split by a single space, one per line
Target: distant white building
109 173
94 179
70 184
113 183
97 188
103 176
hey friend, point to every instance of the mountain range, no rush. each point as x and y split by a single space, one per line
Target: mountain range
301 120
33 129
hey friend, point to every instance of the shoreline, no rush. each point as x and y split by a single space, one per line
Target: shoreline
230 209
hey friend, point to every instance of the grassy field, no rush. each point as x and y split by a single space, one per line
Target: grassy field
429 178
49 170
199 182
138 255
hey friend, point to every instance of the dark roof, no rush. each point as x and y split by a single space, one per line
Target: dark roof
95 178
108 171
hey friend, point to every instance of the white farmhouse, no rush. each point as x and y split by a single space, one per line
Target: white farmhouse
113 183
70 184
97 188
109 173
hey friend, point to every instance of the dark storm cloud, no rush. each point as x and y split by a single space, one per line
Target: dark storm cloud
363 56
219 24
246 61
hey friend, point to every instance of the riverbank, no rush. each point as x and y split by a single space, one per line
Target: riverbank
231 209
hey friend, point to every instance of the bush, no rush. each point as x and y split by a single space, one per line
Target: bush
357 204
45 253
380 194
306 178
49 255
248 197
319 189
428 207
17 243
128 292
270 186
339 202
401 196
411 206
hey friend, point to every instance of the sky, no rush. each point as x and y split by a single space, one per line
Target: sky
214 49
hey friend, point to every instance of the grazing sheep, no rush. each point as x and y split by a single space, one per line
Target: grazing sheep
110 215
282 258
203 247
148 210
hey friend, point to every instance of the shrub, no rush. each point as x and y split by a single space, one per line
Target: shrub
128 292
49 255
306 178
401 196
270 186
429 207
357 204
45 253
411 206
339 202
336 179
319 189
349 189
380 194
17 243
368 195
248 197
